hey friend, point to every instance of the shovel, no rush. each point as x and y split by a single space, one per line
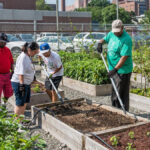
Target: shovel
59 96
113 84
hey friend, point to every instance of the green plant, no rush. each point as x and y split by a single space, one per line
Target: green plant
84 67
130 147
114 140
148 134
142 62
11 139
36 89
131 134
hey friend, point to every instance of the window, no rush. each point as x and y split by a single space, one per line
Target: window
95 36
45 39
1 5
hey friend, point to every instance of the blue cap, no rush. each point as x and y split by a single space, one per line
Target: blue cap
44 48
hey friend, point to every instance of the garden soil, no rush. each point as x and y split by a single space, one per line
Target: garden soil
140 141
88 118
40 85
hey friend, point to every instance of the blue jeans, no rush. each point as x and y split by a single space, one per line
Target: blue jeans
21 100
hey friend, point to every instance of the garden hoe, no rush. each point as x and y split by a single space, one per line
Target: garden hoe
113 84
59 96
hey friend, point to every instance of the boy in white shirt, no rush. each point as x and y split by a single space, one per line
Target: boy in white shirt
54 68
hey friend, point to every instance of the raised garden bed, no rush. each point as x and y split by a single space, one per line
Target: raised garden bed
140 102
134 137
137 80
38 95
94 90
69 122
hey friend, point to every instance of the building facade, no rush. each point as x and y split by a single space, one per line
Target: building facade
137 6
78 4
18 4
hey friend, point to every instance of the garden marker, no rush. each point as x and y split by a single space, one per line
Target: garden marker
59 96
114 86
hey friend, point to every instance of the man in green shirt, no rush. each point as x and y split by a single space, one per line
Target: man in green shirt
119 56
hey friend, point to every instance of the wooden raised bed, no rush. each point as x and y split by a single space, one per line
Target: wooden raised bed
140 102
69 122
40 97
124 138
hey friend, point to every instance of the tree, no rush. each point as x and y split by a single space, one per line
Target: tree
146 19
109 14
99 3
96 13
40 5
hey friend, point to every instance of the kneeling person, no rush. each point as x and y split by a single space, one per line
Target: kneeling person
54 68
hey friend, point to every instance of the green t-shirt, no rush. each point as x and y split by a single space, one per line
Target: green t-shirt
118 47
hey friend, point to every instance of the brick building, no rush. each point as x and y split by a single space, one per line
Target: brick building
18 4
22 20
78 4
137 6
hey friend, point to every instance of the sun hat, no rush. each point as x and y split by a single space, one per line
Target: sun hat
44 48
117 26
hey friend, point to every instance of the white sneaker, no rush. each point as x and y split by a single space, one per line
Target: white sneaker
21 129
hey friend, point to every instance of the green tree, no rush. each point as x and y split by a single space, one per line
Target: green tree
109 14
146 19
99 3
96 13
40 5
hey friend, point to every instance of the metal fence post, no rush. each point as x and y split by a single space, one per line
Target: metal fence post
35 30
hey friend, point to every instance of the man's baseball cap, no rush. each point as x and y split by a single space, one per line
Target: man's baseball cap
117 26
3 37
44 48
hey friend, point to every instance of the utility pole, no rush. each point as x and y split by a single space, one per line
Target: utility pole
57 22
117 7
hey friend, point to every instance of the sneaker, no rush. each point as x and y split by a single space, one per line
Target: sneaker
21 129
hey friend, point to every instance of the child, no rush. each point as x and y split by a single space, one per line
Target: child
54 67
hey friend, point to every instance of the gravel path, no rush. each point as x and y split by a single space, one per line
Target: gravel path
52 143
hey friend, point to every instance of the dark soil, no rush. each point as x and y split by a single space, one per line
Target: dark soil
37 84
88 118
140 141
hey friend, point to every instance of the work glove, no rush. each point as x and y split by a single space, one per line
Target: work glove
11 74
34 78
50 76
41 63
112 73
22 89
100 47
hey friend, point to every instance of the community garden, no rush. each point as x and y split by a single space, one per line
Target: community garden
80 123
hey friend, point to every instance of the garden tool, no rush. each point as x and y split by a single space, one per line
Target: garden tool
59 96
112 81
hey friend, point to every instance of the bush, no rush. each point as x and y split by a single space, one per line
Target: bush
11 139
67 57
87 70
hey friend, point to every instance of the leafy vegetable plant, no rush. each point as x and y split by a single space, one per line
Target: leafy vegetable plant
11 139
84 67
131 134
36 89
130 147
148 134
114 140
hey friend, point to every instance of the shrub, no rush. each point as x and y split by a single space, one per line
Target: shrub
91 71
11 139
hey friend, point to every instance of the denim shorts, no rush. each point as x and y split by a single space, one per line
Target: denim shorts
21 100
